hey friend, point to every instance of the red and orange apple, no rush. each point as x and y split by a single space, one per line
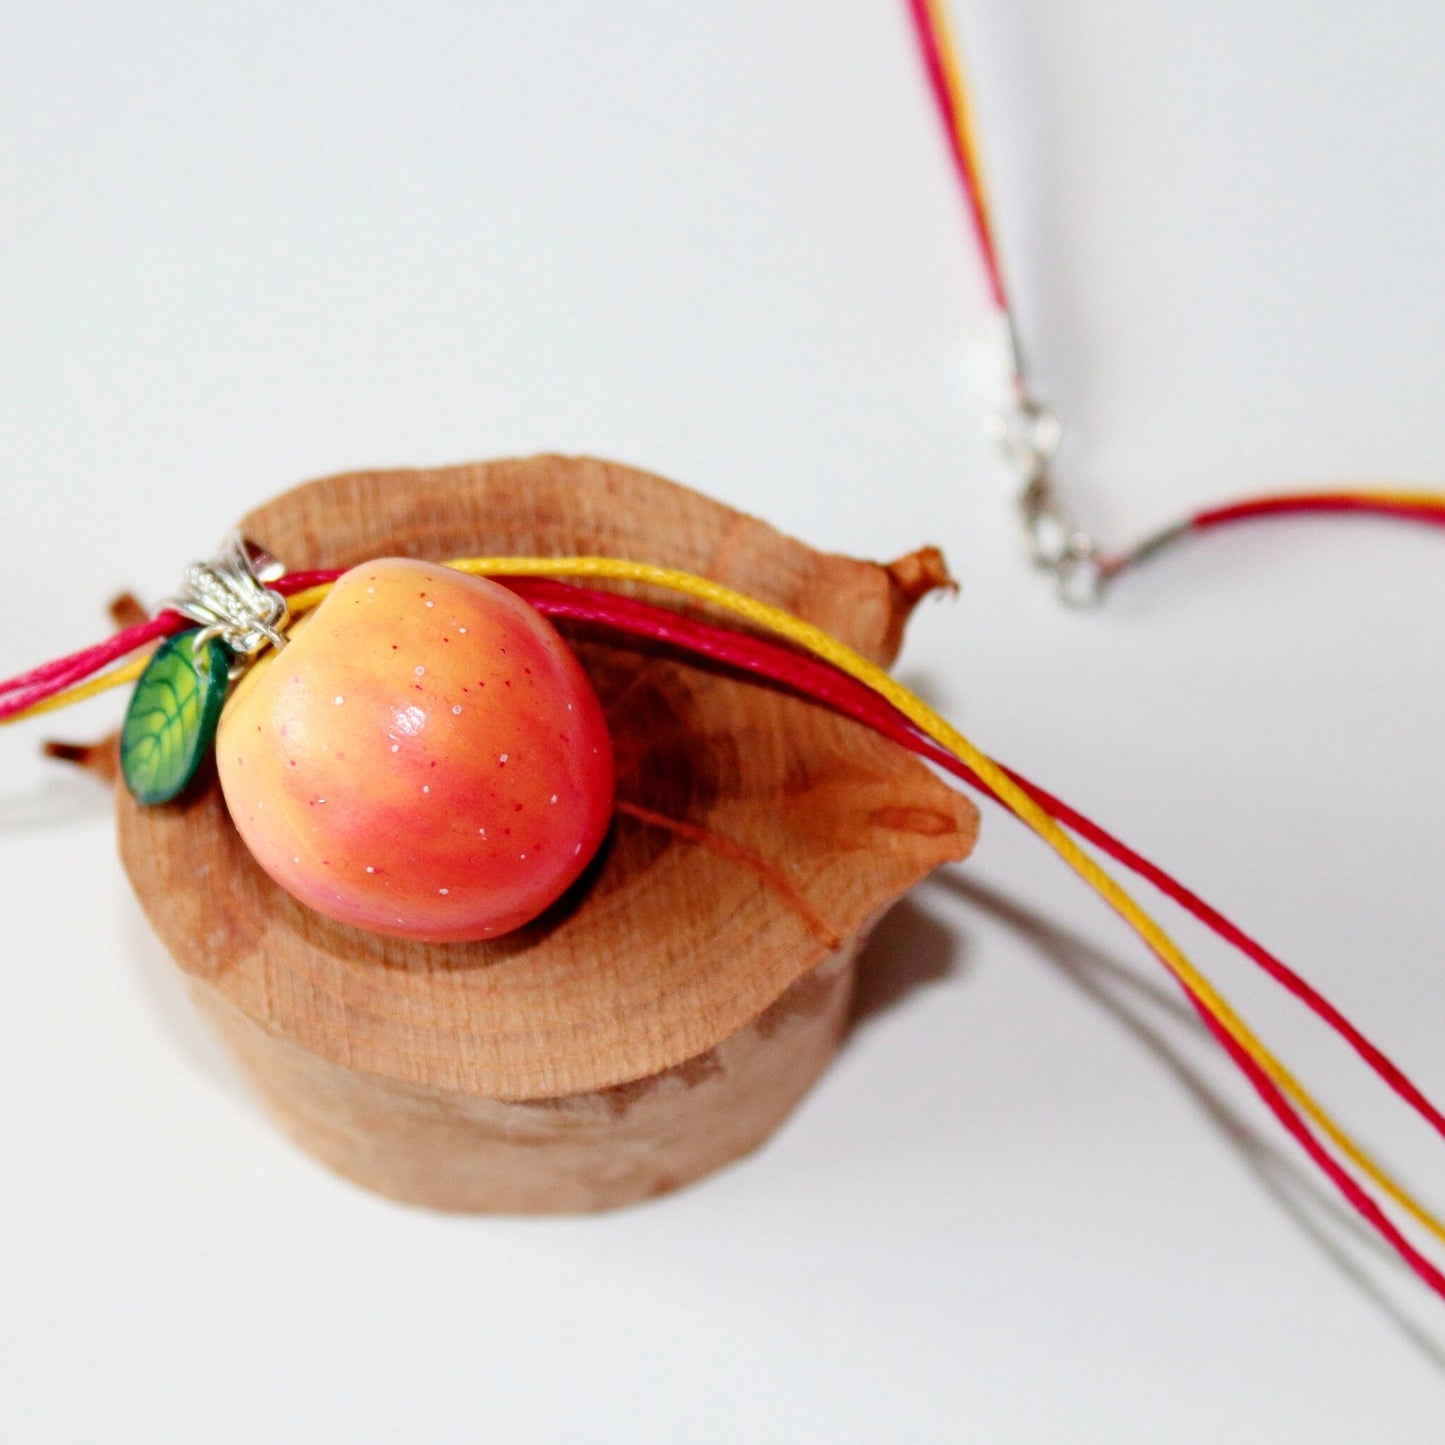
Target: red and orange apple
426 758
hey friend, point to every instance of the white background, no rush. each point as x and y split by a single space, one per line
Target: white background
243 245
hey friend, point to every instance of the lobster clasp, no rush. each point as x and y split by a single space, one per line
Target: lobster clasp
1028 435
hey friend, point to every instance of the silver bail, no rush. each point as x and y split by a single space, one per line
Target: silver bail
228 597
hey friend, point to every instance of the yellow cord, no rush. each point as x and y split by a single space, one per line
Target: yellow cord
964 129
824 645
1430 500
91 688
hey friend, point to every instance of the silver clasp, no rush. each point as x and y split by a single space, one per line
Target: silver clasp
1028 434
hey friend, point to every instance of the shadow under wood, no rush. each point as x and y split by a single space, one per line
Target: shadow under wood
909 949
1130 1001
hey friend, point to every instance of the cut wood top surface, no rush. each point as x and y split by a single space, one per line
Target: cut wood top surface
754 831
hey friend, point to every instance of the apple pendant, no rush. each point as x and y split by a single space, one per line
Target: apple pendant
426 758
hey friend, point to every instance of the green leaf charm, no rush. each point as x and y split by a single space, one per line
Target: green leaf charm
172 716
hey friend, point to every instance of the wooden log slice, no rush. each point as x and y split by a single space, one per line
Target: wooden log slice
668 1013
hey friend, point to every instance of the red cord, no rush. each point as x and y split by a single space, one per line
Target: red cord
92 659
1307 503
26 689
1349 1188
294 582
928 45
820 682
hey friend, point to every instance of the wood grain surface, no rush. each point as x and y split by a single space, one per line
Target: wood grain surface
756 838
